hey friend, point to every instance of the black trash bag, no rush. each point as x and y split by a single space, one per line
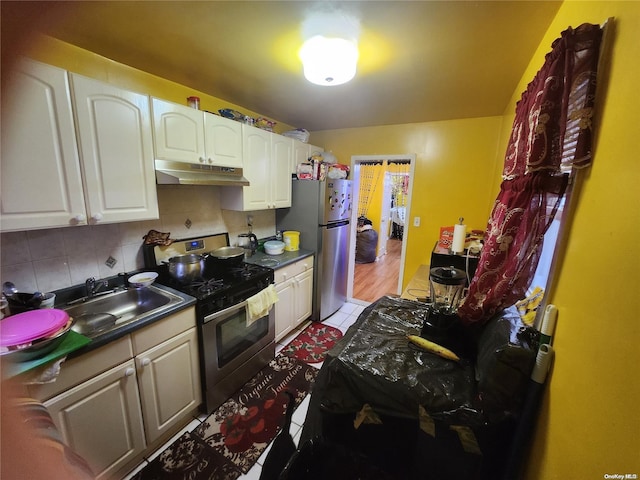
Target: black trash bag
366 242
318 459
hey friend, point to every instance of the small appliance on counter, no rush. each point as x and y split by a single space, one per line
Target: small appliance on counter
446 288
249 242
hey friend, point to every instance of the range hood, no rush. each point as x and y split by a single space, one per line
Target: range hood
182 173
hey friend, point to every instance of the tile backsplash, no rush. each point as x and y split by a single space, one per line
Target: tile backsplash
55 258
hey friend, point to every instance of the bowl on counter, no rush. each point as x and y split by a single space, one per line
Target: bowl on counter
143 279
273 247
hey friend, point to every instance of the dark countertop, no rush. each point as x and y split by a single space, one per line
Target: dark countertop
77 348
278 261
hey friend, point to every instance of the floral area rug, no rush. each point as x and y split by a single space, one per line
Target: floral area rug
312 343
231 439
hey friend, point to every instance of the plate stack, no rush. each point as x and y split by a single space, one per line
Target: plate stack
32 334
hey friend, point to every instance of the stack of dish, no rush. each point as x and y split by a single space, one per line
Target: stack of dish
32 334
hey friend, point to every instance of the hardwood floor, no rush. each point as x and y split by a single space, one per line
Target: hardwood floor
373 280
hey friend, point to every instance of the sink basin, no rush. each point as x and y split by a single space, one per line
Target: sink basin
99 315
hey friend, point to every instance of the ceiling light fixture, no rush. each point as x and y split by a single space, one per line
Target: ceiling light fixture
329 61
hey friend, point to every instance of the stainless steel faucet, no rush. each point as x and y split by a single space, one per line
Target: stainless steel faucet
94 285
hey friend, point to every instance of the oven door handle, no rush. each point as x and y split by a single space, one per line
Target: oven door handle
225 312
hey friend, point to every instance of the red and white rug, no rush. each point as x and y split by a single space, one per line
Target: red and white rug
312 344
228 443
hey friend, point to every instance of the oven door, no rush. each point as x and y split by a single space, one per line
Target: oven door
234 349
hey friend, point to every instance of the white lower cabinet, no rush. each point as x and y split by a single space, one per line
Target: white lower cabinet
101 419
119 402
294 286
163 401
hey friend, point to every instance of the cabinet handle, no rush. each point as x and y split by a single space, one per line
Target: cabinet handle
97 217
210 160
80 218
202 160
129 372
145 361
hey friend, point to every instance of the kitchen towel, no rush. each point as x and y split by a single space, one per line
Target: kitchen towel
260 304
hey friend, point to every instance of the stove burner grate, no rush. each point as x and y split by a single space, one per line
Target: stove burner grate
206 287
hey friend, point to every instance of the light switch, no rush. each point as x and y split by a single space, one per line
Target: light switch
416 221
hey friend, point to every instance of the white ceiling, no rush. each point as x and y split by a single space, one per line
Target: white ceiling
419 61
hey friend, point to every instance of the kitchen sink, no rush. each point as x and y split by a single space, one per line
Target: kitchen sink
102 314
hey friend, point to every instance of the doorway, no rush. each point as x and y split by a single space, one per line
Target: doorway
383 193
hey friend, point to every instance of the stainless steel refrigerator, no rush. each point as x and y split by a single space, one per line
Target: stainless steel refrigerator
321 212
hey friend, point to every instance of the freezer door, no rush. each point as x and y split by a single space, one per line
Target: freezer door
333 272
337 200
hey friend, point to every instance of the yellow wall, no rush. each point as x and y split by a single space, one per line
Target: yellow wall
457 163
590 422
69 57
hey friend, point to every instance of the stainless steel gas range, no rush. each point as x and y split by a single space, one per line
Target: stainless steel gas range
232 350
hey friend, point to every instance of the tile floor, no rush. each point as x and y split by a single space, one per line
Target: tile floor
342 320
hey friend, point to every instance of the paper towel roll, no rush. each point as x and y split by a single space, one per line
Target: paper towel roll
459 237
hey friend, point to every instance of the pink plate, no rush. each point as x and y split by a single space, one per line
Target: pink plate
32 325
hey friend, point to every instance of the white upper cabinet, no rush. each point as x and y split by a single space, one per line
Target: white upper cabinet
301 153
44 146
267 166
116 150
184 134
178 132
223 141
281 155
41 178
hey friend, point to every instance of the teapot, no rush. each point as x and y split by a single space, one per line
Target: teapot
249 242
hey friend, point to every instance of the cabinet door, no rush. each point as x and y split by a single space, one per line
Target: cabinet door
314 149
101 419
257 168
300 155
116 148
169 380
223 141
284 308
281 157
41 179
304 296
178 132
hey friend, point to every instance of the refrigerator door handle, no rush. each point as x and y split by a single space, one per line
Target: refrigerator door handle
337 224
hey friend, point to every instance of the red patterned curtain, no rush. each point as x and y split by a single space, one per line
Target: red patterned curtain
551 134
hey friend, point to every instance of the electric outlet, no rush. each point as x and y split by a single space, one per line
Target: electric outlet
416 221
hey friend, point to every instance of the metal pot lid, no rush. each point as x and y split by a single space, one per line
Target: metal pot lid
187 258
227 252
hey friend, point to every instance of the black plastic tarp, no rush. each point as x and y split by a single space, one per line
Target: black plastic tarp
375 364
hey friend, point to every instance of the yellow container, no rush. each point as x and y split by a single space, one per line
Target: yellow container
291 240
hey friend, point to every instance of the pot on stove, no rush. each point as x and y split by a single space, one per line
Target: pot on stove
186 268
224 257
